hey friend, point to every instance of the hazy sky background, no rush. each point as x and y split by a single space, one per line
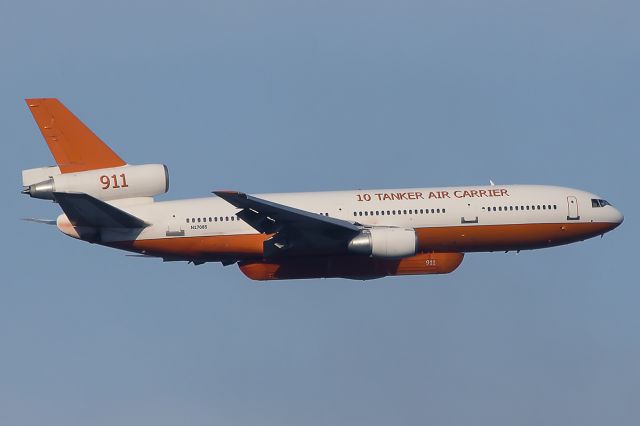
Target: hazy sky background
265 96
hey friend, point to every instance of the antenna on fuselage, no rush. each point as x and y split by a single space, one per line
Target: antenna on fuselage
491 182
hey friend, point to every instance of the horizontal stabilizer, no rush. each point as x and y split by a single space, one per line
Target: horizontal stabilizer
43 221
85 210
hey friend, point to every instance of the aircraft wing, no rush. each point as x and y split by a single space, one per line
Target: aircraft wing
295 231
269 217
84 210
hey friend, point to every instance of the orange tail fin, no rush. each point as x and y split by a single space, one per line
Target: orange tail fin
73 145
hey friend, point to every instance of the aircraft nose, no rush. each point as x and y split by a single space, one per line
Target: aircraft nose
616 216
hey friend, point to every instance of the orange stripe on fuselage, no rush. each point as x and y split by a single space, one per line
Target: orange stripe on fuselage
438 239
507 237
247 246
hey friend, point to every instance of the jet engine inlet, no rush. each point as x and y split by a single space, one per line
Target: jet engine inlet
385 242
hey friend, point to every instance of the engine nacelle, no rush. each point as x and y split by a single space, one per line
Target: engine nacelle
385 242
114 183
352 267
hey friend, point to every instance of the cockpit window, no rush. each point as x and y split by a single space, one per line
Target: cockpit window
599 203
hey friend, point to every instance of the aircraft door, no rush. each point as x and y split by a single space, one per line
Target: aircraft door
572 206
175 227
471 213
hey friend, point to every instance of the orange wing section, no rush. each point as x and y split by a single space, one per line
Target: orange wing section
73 145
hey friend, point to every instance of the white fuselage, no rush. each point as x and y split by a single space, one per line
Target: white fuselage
411 208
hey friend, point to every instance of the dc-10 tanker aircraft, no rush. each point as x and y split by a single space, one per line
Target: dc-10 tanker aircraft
362 234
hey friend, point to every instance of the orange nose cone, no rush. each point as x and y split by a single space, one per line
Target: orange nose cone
259 271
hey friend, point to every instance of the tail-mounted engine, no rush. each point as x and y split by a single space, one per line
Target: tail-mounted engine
146 180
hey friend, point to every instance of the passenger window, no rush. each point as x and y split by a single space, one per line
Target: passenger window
511 208
443 210
544 207
500 208
404 211
187 220
433 211
438 210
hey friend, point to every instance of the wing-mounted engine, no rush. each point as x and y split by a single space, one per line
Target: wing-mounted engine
382 242
113 183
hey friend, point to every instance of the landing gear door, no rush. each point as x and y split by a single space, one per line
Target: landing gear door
572 206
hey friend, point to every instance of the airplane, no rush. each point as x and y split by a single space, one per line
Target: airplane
362 234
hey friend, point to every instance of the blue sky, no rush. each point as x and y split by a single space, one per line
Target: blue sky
302 96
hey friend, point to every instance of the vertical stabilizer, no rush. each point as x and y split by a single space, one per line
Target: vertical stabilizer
73 145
